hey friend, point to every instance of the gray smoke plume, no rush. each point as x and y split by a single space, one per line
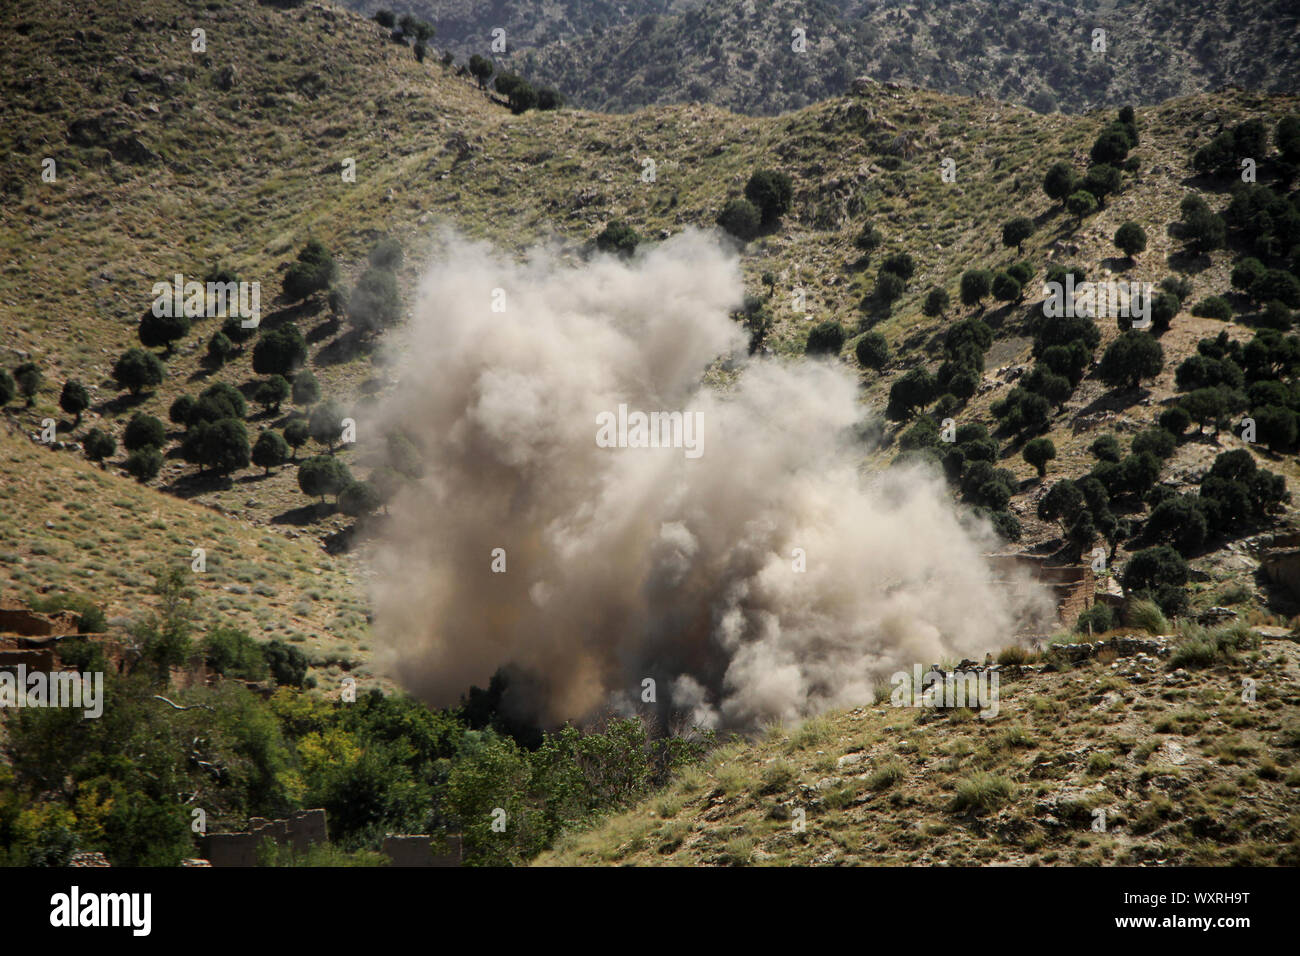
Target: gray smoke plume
629 563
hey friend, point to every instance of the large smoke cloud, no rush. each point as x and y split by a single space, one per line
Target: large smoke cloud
631 563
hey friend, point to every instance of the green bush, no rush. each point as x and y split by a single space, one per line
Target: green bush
740 218
323 475
1146 615
220 349
1038 453
232 653
771 192
283 350
872 351
1214 307
98 444
74 399
137 370
825 338
619 238
144 431
269 451
1098 619
287 664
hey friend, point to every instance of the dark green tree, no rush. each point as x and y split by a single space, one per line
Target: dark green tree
137 370
1130 358
270 450
1130 239
143 464
74 399
271 393
1016 231
163 331
771 192
1038 452
825 338
282 350
144 431
323 475
740 218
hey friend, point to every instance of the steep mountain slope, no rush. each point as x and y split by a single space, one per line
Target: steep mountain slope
172 161
739 55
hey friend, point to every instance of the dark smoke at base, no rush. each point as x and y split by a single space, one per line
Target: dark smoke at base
626 563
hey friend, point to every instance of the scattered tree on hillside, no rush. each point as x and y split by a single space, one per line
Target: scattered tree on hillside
771 192
271 393
306 390
98 444
282 350
936 302
1060 182
29 379
137 370
619 238
269 451
143 431
976 284
1130 239
163 331
314 270
74 399
481 68
1038 452
872 351
323 475
143 464
740 218
1015 232
825 338
1130 358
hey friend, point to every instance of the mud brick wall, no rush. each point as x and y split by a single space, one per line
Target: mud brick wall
28 623
419 850
1073 585
299 831
36 660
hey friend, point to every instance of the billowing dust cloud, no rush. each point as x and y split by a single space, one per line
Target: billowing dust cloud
764 579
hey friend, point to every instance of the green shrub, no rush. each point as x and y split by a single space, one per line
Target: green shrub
1098 619
618 237
740 218
144 431
825 338
232 653
306 390
1214 307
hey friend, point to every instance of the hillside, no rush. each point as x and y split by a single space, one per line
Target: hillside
432 149
1162 755
613 56
174 161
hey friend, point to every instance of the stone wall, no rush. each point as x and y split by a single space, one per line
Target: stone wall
1282 570
419 850
299 831
1073 586
16 618
35 660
